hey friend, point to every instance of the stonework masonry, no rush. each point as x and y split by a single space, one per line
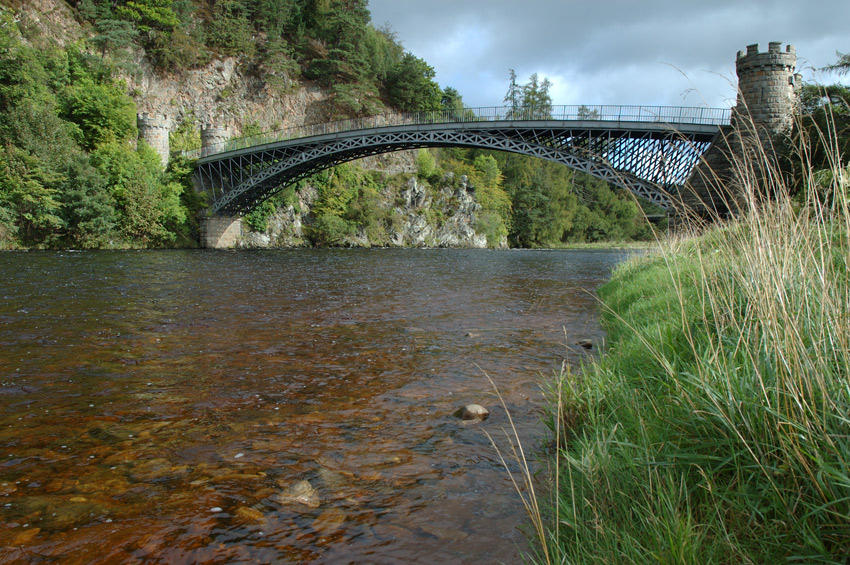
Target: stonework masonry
220 232
211 137
153 130
767 86
767 98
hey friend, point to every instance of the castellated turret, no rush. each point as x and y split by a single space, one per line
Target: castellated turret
767 87
153 130
212 139
768 91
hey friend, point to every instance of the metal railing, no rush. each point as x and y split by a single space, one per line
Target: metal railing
672 115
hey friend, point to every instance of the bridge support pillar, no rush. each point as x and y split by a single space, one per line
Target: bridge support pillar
220 232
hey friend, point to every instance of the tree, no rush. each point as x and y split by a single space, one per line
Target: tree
113 35
411 86
530 100
87 208
842 66
231 31
535 98
341 27
585 113
513 97
149 15
102 112
28 189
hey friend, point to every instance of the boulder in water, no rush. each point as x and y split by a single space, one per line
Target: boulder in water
472 412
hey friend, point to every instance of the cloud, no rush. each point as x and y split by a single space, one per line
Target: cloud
609 52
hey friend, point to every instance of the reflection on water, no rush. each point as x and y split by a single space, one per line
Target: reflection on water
274 406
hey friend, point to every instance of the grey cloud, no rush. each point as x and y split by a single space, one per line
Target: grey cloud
613 51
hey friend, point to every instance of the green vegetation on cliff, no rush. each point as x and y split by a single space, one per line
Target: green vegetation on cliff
69 172
331 42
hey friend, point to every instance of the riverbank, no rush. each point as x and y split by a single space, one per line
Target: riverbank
714 426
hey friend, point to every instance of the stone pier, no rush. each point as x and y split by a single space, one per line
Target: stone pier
220 232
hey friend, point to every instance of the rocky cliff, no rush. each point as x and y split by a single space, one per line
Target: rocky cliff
419 215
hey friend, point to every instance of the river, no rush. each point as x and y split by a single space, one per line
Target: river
276 406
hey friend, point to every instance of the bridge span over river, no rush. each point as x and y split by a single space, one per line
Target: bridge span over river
677 157
649 150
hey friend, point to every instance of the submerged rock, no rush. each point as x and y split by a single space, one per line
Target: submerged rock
301 492
248 514
585 343
472 412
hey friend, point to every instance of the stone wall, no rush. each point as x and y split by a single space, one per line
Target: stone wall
221 232
212 139
767 87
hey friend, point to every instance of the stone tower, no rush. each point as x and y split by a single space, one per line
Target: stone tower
212 139
767 87
153 130
764 112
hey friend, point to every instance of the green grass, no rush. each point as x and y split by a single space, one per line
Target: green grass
715 428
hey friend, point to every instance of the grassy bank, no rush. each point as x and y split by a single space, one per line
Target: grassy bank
716 425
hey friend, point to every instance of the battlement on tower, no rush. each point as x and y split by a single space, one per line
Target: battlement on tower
774 58
153 121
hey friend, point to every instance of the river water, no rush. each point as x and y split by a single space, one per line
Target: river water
276 406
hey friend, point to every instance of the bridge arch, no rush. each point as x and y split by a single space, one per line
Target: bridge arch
650 156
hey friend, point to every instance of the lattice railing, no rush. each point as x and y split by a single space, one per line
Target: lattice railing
672 115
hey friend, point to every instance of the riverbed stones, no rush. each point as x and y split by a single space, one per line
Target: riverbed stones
472 412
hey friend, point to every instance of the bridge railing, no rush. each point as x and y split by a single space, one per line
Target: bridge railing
673 115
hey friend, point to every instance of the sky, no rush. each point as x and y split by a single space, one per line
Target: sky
635 52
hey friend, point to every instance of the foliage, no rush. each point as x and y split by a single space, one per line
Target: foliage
426 165
821 134
186 137
69 175
28 191
410 85
230 31
280 65
530 100
101 111
842 66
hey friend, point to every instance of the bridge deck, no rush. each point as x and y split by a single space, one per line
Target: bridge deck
669 115
647 150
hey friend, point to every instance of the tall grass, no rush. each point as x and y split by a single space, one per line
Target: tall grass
715 428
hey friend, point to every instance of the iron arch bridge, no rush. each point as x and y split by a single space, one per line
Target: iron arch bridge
650 151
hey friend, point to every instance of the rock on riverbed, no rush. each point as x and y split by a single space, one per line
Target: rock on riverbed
472 412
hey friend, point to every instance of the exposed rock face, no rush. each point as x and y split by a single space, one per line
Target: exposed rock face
423 216
224 94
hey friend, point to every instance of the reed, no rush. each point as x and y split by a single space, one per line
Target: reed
716 425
